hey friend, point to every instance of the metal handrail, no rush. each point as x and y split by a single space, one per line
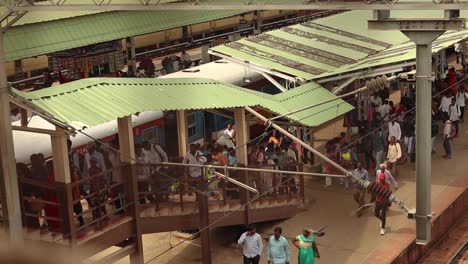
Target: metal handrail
249 169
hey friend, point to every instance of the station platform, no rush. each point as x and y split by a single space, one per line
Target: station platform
348 239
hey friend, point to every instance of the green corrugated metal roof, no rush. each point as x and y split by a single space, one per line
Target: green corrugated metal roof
333 45
42 38
94 101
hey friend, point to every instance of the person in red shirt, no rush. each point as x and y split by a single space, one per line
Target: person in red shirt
381 204
452 80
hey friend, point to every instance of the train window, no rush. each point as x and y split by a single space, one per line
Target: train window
192 124
150 134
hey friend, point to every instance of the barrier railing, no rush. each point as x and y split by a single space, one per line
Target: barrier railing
50 204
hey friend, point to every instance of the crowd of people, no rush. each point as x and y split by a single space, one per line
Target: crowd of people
387 138
274 153
42 205
278 249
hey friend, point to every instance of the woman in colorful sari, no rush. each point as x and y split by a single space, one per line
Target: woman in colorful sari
308 250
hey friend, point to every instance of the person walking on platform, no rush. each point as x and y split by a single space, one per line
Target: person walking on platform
393 155
252 245
360 192
381 204
278 248
448 139
388 177
308 250
379 145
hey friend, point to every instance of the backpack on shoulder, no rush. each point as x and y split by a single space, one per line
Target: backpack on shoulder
453 130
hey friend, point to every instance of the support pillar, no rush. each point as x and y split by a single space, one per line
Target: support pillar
423 33
131 56
204 222
241 135
24 117
299 135
63 184
8 178
423 40
312 144
127 156
257 21
182 130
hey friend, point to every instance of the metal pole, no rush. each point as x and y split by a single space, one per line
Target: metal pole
8 179
238 183
423 42
250 169
423 134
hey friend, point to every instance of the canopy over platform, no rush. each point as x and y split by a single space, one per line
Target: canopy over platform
89 102
36 39
331 46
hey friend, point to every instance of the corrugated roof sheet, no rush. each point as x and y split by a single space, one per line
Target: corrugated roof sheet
93 101
332 45
42 38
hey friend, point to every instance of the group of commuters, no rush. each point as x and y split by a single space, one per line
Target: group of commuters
278 249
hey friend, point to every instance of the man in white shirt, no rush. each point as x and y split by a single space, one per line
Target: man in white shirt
394 130
154 154
252 245
92 152
384 111
445 105
228 137
448 139
454 114
194 156
393 155
461 98
458 50
388 176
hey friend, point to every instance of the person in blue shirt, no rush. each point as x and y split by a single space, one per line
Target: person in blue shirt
278 248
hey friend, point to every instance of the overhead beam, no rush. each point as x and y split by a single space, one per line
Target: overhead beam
428 24
39 130
462 5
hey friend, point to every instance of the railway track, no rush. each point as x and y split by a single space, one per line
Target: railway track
453 248
461 256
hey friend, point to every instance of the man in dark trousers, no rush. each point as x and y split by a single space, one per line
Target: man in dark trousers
381 204
252 245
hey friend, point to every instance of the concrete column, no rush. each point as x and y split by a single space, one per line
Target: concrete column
126 143
205 56
8 179
299 135
24 117
182 130
241 135
127 155
131 56
63 183
60 155
312 144
204 222
423 40
257 21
